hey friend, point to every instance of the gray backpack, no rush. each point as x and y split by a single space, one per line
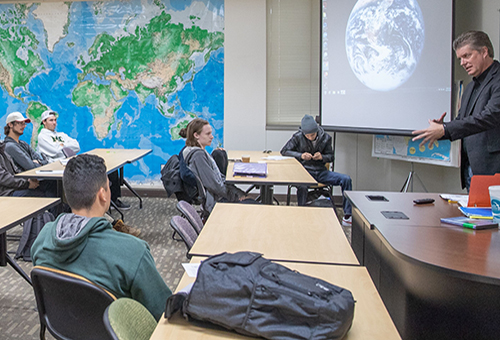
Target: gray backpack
31 229
254 296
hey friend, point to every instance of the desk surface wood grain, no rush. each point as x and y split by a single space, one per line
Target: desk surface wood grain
286 233
371 319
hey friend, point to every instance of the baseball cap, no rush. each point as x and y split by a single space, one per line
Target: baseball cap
16 117
47 113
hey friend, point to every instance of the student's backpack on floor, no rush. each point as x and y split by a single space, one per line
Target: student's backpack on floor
31 229
254 296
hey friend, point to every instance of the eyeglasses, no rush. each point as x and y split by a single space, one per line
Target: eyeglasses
267 151
20 123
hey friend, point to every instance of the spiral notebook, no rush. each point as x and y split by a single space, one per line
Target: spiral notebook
250 169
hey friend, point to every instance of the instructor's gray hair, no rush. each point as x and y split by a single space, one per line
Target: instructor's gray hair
476 40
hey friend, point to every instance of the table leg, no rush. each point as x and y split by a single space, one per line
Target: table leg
266 194
5 258
124 182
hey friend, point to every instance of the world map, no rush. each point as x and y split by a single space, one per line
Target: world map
120 74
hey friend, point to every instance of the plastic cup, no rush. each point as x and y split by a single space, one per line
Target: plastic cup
245 159
495 202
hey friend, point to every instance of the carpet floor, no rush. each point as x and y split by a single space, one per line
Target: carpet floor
18 315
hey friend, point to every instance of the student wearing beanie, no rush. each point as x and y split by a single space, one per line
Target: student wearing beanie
313 148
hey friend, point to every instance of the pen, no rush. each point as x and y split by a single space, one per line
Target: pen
451 201
45 170
481 217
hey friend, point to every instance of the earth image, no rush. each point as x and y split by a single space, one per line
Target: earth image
384 41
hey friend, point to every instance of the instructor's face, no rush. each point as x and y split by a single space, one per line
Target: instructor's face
474 62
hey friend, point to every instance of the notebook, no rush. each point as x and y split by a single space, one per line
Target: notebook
477 212
470 223
250 169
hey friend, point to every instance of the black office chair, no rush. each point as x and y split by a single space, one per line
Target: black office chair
69 305
185 230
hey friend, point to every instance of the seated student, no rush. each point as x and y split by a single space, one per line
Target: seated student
15 186
198 135
51 144
21 153
312 147
85 243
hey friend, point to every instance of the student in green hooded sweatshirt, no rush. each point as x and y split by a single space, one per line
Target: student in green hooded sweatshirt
85 243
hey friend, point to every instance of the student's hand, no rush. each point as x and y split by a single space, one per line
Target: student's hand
306 156
317 156
36 161
33 183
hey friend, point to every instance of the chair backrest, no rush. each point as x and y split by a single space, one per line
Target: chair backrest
184 229
127 319
68 152
69 305
189 212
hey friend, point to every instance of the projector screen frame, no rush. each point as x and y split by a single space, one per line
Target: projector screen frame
452 111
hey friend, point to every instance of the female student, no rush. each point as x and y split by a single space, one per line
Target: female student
198 136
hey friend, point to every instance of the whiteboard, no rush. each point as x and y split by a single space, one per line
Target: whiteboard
442 152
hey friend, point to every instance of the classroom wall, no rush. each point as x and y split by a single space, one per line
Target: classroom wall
245 100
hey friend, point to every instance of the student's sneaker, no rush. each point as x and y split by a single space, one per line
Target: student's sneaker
347 222
122 227
121 205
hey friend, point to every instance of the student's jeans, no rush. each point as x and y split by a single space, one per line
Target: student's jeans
328 178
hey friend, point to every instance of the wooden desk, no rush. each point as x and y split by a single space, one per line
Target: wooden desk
279 172
115 159
282 233
438 281
371 319
15 210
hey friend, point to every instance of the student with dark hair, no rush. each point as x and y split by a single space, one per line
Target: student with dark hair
198 136
23 155
84 242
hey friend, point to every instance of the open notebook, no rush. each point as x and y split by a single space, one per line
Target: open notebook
250 169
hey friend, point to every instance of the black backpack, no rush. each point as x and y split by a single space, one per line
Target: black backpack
31 229
178 179
254 296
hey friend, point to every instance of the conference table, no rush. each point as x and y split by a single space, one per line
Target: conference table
371 319
13 211
280 233
281 171
115 159
438 281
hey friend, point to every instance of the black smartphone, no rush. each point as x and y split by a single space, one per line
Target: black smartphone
423 201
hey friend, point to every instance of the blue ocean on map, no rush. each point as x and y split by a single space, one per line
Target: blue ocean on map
136 124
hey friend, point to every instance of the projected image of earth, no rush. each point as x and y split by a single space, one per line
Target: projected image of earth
384 41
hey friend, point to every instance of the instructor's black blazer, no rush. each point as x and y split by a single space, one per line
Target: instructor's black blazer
480 126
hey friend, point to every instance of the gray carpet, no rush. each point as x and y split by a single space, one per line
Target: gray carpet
18 316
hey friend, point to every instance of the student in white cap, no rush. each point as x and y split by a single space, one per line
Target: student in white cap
51 142
23 155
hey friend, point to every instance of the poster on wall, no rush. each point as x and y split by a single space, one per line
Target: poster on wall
120 74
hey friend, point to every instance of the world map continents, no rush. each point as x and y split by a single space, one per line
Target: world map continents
125 74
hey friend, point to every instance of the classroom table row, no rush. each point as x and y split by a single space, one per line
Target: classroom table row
309 240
